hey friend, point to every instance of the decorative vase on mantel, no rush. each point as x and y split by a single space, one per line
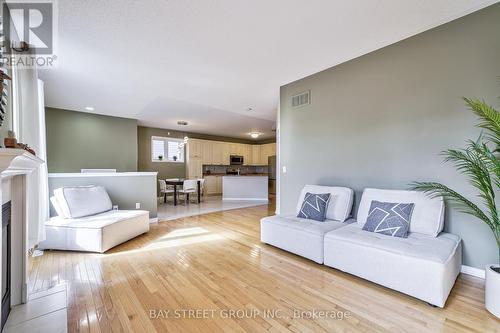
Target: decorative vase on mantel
10 141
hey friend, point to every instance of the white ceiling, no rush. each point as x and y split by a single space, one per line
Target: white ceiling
208 61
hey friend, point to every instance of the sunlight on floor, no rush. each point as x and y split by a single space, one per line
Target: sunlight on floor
176 238
185 232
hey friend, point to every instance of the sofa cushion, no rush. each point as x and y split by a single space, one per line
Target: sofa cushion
300 236
80 201
305 225
96 221
340 204
57 206
314 206
421 266
388 218
428 213
438 249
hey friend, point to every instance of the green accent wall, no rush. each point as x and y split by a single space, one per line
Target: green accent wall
164 169
382 119
80 140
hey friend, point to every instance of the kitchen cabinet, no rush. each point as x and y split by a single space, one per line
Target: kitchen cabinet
219 184
267 150
225 153
194 148
217 153
206 152
247 154
194 168
240 149
213 185
233 149
255 154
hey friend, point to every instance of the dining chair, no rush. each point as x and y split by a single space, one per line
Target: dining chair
165 189
202 188
189 186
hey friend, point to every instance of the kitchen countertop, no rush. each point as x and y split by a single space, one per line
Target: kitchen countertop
242 175
257 175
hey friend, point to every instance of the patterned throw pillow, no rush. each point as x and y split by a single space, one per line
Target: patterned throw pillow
388 218
314 206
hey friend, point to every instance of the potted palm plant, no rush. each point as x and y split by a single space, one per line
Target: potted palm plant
479 162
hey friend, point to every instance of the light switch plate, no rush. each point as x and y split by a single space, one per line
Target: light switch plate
137 205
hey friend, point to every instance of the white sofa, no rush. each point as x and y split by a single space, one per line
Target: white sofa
88 223
425 265
303 236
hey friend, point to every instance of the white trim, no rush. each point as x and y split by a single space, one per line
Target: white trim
153 220
97 170
278 156
473 271
103 174
14 162
166 161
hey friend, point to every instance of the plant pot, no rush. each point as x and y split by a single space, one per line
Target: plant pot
492 290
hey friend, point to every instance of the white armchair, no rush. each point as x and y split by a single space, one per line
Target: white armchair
87 222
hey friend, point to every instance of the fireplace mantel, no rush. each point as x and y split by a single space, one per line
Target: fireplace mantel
17 162
14 165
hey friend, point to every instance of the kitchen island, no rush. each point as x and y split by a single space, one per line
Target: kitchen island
238 188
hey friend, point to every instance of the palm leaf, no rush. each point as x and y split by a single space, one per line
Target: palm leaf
489 119
461 203
481 166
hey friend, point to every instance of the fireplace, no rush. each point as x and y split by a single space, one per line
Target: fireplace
18 205
6 261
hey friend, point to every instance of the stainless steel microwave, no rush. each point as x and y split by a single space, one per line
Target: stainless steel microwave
236 160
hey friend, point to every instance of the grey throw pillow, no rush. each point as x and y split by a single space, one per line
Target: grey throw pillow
314 206
389 218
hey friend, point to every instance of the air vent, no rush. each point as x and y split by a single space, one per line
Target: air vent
301 99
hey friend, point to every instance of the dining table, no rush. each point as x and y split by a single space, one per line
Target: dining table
179 182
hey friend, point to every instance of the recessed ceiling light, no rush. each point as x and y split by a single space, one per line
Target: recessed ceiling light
89 108
255 135
249 109
182 123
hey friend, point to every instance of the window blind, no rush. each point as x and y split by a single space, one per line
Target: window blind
173 150
157 149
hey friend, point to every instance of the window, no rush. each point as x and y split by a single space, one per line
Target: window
167 149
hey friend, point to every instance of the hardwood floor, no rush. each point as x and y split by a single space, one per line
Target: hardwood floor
217 263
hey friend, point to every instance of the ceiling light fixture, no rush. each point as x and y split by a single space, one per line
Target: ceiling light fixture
255 135
182 123
89 108
249 109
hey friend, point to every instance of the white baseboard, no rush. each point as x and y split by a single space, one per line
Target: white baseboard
473 271
153 220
